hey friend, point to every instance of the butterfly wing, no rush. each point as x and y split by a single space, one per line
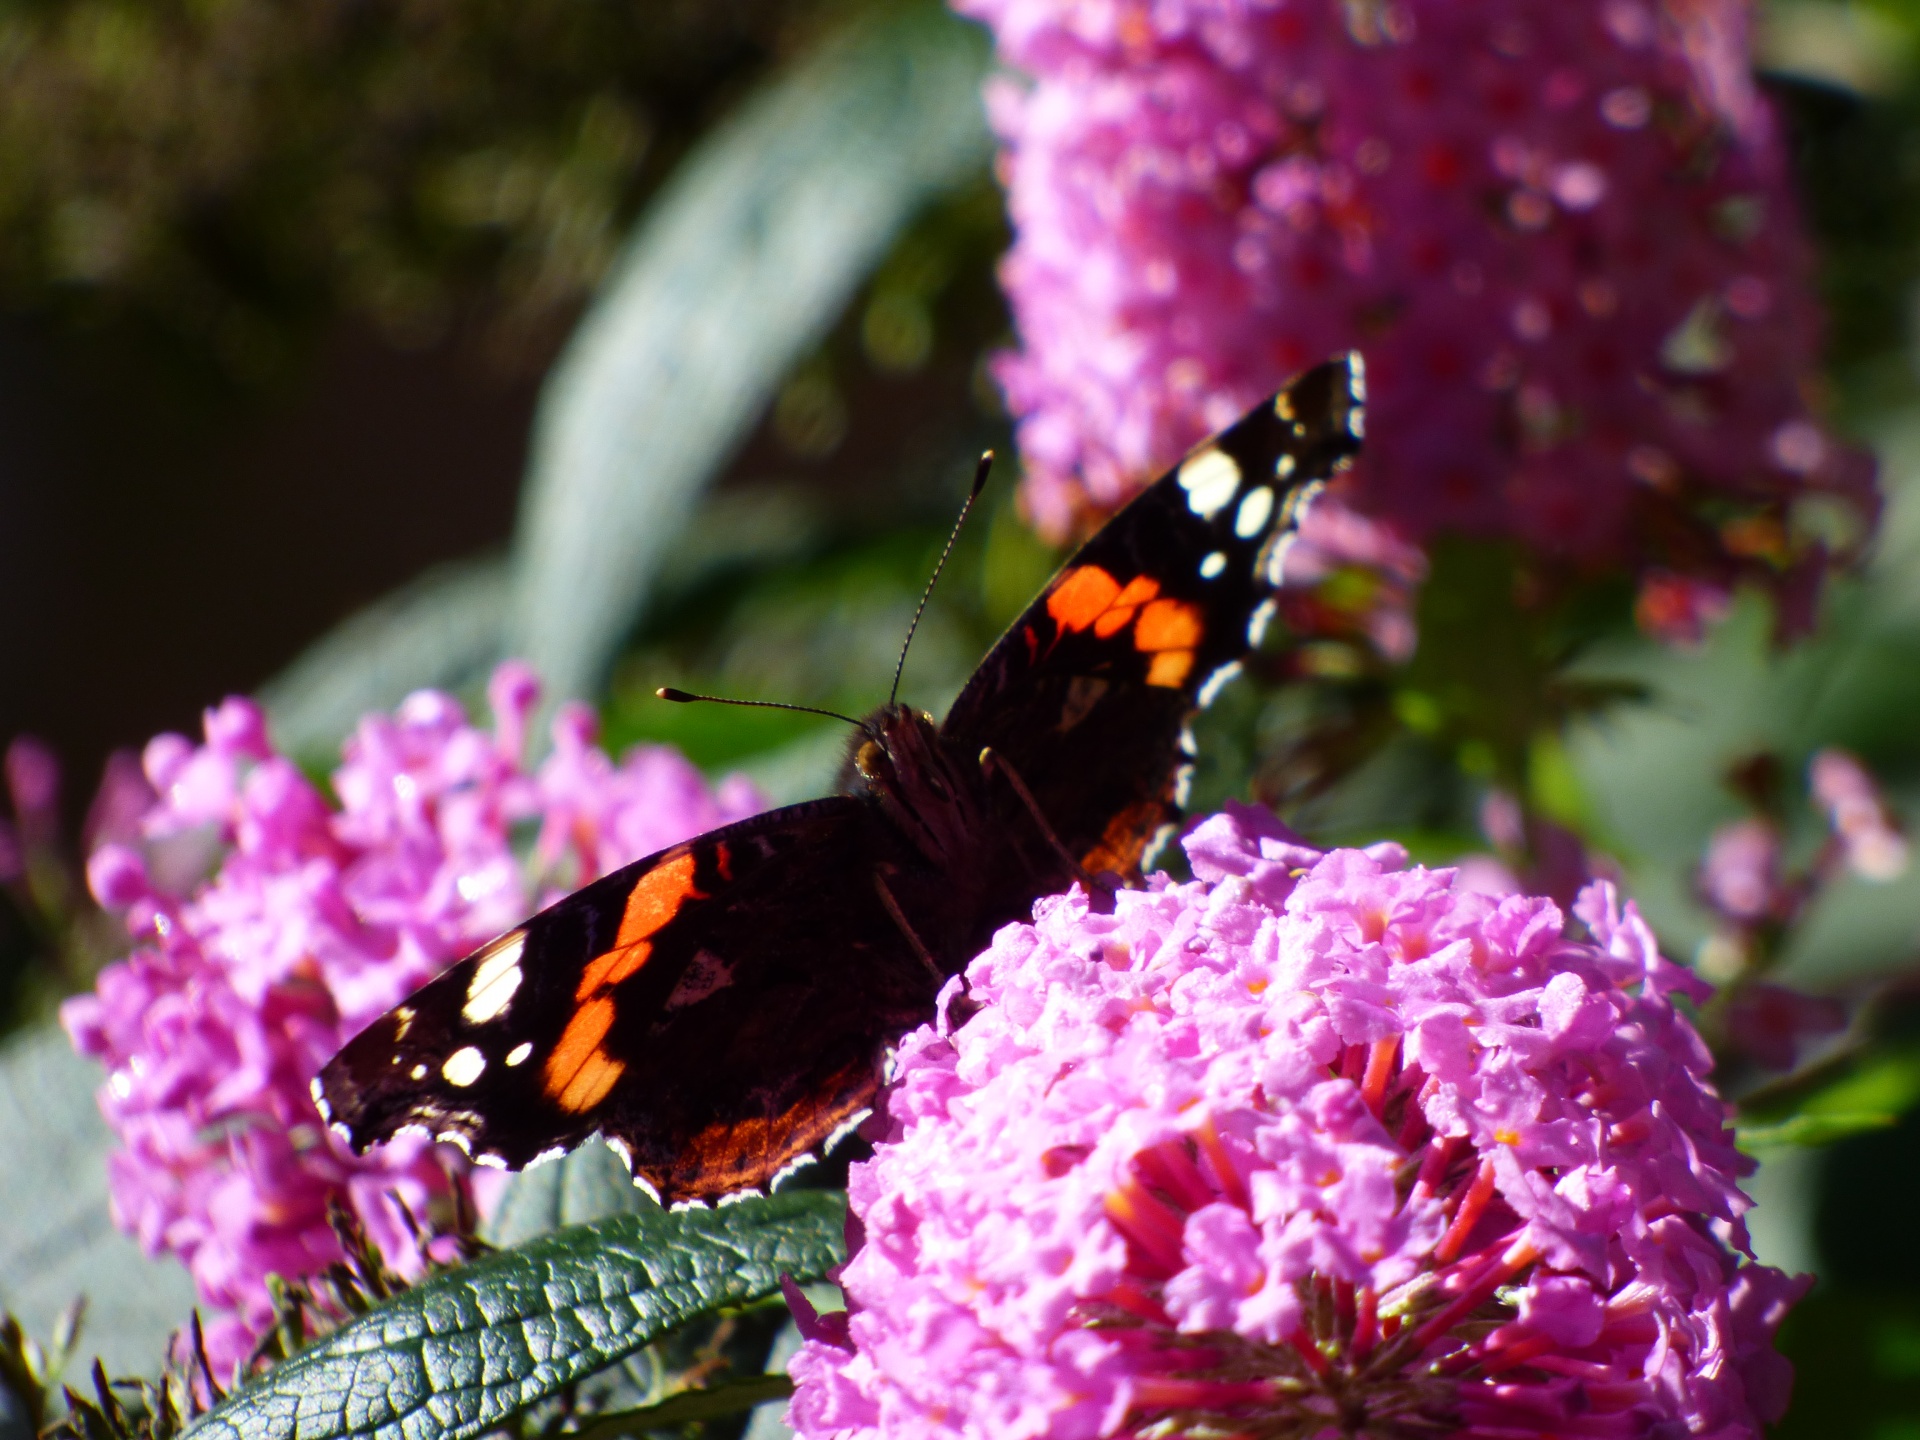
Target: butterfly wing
1087 695
718 1010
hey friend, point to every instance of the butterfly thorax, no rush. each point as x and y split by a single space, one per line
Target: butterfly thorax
934 797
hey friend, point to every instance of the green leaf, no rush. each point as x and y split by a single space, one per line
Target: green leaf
1888 1082
443 630
707 1404
738 269
1883 1079
57 1240
461 1353
1811 1130
589 1183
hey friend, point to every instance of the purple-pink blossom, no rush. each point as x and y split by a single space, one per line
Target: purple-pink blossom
1561 233
1741 877
1317 1144
272 923
1348 576
1868 837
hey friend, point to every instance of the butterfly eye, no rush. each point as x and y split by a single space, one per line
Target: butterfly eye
867 759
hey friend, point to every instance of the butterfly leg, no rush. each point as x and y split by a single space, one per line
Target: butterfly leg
906 929
992 761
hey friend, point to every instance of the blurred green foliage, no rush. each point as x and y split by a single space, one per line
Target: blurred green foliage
233 172
797 576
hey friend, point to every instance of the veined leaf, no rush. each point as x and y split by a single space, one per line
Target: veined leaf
461 1353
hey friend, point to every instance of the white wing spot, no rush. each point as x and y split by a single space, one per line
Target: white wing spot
1156 845
1182 786
1258 621
1210 480
1215 681
787 1171
1252 516
419 1072
494 979
403 1021
1211 567
464 1066
1277 559
1297 502
1357 423
1357 376
1284 466
518 1055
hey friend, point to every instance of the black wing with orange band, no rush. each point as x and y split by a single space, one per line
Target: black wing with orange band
1088 693
718 1009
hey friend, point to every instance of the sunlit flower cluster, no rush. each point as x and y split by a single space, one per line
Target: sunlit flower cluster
1561 233
272 923
1317 1144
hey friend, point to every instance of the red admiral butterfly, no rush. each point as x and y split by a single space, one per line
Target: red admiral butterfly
719 1010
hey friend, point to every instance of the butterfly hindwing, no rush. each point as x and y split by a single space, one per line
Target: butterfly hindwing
1088 693
718 1010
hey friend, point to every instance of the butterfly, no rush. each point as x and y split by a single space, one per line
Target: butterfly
720 1010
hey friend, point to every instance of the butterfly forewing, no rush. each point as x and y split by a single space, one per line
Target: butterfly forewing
718 1009
1088 693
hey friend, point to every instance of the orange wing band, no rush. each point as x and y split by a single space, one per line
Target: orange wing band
655 899
579 1073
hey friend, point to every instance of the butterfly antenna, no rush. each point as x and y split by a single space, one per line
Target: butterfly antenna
686 697
979 484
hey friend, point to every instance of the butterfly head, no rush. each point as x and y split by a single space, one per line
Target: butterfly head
899 758
891 739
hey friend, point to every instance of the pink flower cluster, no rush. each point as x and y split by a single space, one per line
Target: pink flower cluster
1560 230
1755 899
1742 878
1315 1145
1863 827
316 918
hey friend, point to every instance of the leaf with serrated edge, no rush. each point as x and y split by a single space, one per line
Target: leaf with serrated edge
460 1353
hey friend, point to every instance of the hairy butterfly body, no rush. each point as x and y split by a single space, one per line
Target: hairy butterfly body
718 1010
